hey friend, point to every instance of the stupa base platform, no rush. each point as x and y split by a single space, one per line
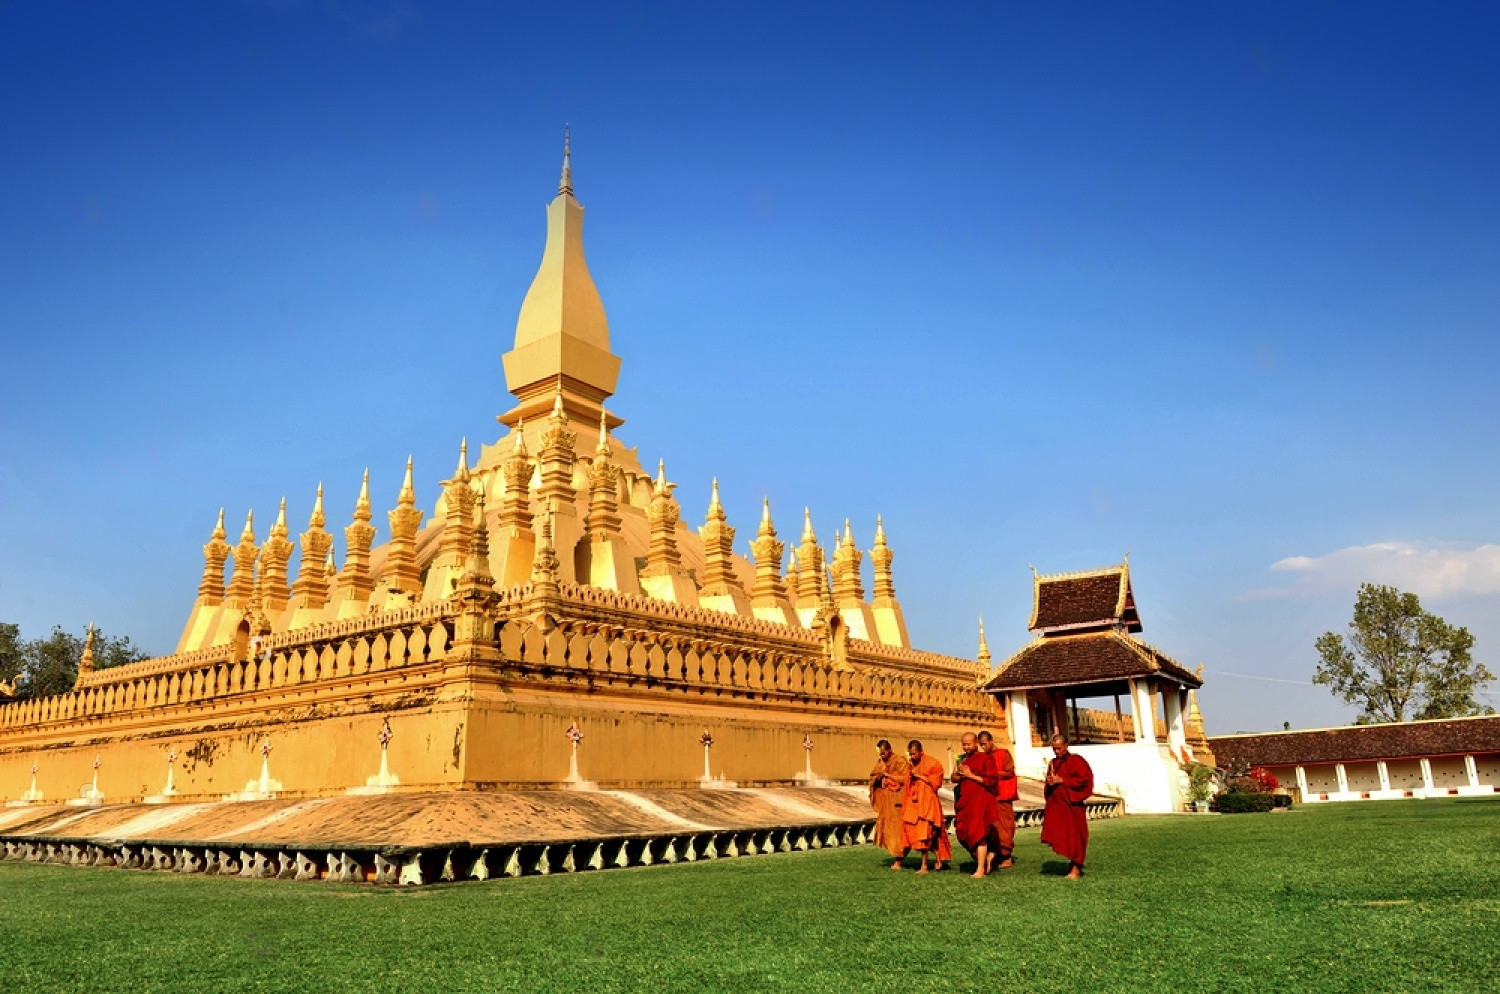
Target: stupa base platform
423 838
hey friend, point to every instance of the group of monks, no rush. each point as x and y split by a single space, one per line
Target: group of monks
909 812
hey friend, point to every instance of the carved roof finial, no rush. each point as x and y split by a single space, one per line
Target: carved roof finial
519 448
247 534
219 532
362 505
279 528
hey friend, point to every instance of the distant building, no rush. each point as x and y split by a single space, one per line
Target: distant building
1449 756
1085 648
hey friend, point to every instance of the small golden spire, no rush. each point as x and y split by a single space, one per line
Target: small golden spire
248 534
565 185
557 404
765 515
807 528
86 661
362 505
519 448
715 509
279 528
316 519
603 449
848 534
219 532
328 562
984 656
408 494
662 487
462 472
879 530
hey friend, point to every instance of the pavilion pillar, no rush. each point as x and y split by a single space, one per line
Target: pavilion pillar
1020 722
1302 783
1343 776
1176 734
1385 775
1427 781
1145 713
1472 769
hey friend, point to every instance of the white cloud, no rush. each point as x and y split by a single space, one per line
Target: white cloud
1428 569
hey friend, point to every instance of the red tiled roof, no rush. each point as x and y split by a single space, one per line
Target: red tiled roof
1398 740
1087 658
1098 599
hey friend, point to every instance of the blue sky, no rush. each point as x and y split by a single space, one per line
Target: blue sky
1214 285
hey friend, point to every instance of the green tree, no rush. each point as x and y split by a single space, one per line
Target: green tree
50 665
1399 662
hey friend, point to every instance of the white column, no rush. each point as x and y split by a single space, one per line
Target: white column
1135 708
1385 775
1302 783
1471 768
1145 713
1343 778
1020 721
1176 734
1427 774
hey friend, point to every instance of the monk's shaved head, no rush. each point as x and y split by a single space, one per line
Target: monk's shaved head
967 738
1059 737
986 737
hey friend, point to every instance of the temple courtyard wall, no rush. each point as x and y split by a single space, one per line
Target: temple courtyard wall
487 713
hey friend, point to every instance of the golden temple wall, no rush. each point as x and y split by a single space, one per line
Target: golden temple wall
643 680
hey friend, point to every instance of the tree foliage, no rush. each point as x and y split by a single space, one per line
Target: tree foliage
1400 662
45 666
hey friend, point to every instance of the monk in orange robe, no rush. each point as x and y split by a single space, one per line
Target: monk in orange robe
974 808
887 788
1003 842
922 810
1065 823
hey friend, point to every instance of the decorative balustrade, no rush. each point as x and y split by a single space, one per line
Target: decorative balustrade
616 637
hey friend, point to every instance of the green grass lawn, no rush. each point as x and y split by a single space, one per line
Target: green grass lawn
1378 896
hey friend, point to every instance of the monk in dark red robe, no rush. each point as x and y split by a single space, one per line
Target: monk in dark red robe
922 810
1003 840
974 809
1065 823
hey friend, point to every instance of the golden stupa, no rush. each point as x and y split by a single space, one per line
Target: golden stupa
554 582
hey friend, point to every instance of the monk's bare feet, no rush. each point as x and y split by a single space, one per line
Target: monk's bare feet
937 867
1074 874
978 875
922 871
896 866
1006 864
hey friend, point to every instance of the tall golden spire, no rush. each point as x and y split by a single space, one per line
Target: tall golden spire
721 587
810 574
880 561
768 599
848 586
515 504
545 564
215 553
604 504
984 656
358 535
458 524
245 553
275 555
562 334
310 591
664 577
400 575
